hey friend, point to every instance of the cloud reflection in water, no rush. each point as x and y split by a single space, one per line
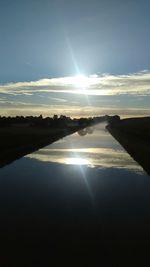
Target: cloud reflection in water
95 150
102 157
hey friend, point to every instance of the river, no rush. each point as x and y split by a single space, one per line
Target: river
79 193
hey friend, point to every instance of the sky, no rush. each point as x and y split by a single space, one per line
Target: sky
74 57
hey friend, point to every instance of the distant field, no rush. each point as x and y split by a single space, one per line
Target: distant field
16 142
136 126
16 136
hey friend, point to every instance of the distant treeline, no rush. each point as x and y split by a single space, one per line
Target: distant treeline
40 121
32 120
56 120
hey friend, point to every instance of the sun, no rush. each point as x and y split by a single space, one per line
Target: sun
80 83
81 80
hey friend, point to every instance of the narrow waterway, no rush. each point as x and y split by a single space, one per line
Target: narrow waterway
80 192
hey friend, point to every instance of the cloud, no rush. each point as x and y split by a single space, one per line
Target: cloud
24 109
58 99
93 157
106 84
125 95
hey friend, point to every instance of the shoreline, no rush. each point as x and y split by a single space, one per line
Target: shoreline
134 136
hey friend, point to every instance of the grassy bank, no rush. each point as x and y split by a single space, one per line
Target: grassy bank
15 142
134 135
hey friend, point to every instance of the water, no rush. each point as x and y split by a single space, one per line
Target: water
80 193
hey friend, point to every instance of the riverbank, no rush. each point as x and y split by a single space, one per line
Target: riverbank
16 142
20 135
134 135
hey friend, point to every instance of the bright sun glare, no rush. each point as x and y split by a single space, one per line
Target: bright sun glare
77 161
81 81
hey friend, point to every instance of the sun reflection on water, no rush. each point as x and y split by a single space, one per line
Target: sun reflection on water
77 161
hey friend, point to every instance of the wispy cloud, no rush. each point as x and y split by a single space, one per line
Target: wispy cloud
106 84
24 109
126 95
98 157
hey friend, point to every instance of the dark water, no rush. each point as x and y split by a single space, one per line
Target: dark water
79 197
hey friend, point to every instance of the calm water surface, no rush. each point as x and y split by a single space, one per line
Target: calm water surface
79 189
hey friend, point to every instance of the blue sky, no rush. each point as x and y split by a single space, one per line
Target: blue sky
61 38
